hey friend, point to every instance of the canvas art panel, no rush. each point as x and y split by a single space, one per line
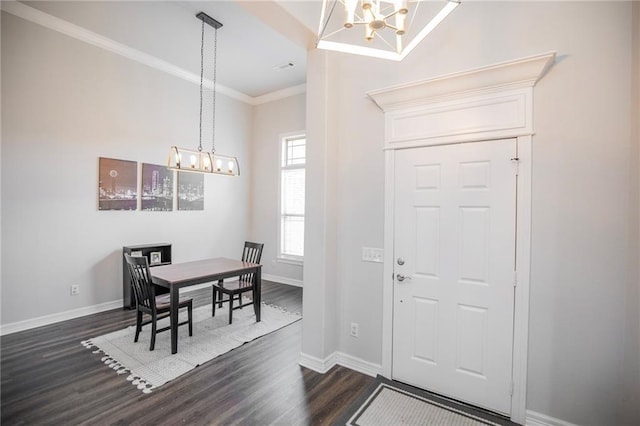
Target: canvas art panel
190 191
156 188
117 184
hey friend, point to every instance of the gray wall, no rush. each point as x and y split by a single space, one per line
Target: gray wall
64 104
270 122
582 177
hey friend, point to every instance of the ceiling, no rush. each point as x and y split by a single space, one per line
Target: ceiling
253 53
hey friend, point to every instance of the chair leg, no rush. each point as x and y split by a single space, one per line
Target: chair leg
138 325
190 314
255 305
220 296
153 331
230 308
213 303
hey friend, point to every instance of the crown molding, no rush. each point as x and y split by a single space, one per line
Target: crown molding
82 34
279 94
519 73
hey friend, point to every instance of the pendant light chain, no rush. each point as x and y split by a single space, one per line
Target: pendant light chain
197 160
215 68
201 82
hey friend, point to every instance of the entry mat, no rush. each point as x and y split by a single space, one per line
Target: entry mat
387 402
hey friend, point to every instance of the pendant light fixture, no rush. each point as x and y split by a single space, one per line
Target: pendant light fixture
189 160
387 29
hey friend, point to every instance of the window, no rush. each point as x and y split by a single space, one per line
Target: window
292 178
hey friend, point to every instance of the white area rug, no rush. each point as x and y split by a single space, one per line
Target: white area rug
212 336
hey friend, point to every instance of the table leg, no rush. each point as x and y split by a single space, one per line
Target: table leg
175 297
257 296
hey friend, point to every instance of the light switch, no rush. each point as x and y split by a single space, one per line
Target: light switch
370 254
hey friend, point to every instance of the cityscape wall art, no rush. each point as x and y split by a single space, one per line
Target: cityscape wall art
156 188
190 191
159 189
117 184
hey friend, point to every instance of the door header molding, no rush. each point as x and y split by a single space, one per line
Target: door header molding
519 73
492 102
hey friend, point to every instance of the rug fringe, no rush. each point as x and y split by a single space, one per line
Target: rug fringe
142 384
120 369
279 308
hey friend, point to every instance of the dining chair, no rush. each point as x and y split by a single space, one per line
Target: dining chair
252 253
147 302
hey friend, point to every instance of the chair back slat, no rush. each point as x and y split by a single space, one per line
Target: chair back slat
141 281
252 252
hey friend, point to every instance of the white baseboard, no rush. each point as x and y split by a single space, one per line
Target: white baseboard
61 316
538 419
282 280
316 364
360 365
340 358
370 369
81 312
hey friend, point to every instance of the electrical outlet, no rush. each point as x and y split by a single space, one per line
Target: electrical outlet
75 290
355 329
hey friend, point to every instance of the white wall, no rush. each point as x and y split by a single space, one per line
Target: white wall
581 177
270 122
631 399
581 214
320 296
64 104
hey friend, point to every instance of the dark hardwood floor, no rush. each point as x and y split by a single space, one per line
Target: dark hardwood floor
48 377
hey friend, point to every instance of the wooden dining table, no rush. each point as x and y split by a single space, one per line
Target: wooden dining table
179 275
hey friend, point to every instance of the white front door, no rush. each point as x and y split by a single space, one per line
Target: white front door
454 245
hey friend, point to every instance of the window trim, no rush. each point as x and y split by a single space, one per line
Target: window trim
282 138
290 260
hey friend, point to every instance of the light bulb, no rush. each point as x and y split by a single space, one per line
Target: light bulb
369 32
401 7
207 163
401 20
368 18
230 165
218 164
350 10
193 161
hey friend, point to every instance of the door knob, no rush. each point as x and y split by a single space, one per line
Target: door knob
400 261
401 277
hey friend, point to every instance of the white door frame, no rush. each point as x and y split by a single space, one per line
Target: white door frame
489 103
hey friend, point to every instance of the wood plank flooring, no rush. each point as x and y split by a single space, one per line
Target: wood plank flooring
49 378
